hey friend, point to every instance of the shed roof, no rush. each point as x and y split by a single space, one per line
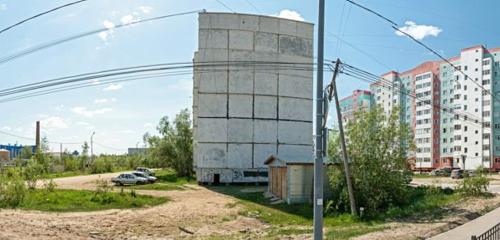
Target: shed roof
273 158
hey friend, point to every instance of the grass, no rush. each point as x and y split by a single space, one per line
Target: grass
80 201
289 220
167 180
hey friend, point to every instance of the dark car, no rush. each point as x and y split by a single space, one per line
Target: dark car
444 172
457 173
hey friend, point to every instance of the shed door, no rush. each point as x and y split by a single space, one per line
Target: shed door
284 183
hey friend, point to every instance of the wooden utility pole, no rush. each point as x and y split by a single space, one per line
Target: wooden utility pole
354 210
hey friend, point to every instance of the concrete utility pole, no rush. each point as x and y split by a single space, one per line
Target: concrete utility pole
318 162
354 210
92 147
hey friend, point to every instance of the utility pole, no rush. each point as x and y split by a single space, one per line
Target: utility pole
318 161
354 210
92 147
61 155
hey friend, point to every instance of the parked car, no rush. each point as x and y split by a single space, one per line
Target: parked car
457 173
470 173
446 172
128 179
150 179
148 171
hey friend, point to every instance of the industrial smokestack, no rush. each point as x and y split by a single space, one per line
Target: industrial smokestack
37 135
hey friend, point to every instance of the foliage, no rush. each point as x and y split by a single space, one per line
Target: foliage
32 173
12 189
49 185
377 149
476 185
174 147
101 194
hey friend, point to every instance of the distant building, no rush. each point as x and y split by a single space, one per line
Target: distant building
360 100
138 151
15 150
454 118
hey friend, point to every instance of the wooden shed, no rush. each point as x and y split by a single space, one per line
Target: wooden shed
292 181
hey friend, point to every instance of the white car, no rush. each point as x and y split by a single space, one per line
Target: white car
128 179
146 171
150 179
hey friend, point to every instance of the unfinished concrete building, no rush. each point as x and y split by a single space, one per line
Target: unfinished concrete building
249 100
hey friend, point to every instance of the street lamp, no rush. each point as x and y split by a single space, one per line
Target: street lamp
92 147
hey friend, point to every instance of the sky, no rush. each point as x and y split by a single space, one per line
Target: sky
121 113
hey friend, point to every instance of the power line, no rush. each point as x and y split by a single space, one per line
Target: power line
253 6
396 27
139 69
112 148
226 6
39 47
40 14
89 80
33 139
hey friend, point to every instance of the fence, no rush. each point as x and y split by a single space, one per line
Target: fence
492 234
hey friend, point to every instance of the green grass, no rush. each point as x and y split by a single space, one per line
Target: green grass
289 220
80 201
167 180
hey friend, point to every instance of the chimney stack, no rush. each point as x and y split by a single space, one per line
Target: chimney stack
37 135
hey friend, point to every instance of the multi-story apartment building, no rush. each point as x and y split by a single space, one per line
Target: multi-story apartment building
360 100
455 117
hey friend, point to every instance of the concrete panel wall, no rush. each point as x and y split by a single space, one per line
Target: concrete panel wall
212 130
294 108
290 132
237 107
265 107
265 131
212 105
240 156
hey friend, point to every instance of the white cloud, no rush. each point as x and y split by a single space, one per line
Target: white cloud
289 14
83 123
127 131
148 125
6 128
104 100
54 123
108 24
59 108
419 32
113 87
127 19
90 113
104 35
146 9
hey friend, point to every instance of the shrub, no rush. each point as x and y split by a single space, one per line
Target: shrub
474 186
50 185
166 175
12 189
32 173
377 152
101 195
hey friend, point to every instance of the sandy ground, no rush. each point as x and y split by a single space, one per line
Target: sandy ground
197 209
455 215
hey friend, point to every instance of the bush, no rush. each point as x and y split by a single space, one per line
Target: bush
377 152
32 173
101 195
166 175
474 186
12 189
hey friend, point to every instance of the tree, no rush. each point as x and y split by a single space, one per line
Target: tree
174 147
377 150
26 152
84 157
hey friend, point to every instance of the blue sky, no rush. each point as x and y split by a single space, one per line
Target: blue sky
121 113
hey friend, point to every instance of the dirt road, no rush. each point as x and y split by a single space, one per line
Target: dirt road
197 209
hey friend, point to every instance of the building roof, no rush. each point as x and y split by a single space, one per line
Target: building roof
273 158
